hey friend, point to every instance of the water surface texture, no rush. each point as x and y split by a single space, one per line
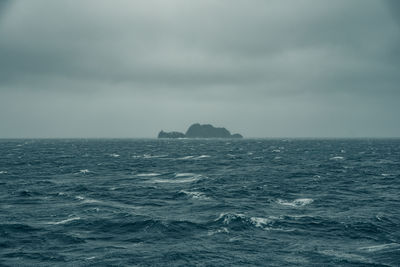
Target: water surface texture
200 202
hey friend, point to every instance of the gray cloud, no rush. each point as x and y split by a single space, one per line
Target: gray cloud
394 7
215 61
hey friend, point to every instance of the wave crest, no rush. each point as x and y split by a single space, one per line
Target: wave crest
300 202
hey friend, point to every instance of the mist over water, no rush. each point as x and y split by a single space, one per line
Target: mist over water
200 202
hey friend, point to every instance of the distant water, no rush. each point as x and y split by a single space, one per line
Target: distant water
200 202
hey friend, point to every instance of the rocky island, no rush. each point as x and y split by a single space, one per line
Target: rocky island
200 131
163 134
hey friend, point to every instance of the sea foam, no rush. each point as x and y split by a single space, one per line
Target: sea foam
65 221
337 158
148 174
395 246
195 194
300 202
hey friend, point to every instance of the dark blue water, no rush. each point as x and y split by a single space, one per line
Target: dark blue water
200 202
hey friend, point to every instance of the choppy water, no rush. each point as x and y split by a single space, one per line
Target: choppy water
200 202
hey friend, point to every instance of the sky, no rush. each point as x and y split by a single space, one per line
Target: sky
127 68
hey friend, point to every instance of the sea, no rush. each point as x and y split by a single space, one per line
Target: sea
203 202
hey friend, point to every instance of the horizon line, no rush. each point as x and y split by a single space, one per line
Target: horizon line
253 137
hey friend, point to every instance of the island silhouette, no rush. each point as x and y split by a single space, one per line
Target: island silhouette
198 130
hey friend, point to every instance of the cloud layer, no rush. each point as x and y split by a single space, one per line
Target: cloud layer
264 68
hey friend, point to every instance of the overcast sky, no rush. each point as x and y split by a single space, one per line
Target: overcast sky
124 68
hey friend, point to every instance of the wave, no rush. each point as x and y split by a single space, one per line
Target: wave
9 228
179 178
65 221
194 157
87 200
148 174
148 156
177 181
185 174
194 194
337 158
218 231
202 157
300 202
344 256
239 221
186 157
389 246
106 203
145 227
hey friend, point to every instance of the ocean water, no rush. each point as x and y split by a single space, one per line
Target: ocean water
184 202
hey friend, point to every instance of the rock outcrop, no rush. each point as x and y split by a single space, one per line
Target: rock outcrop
201 131
163 134
206 131
236 135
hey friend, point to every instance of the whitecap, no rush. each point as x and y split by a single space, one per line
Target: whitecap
185 174
228 217
255 221
202 157
260 222
221 230
114 155
79 197
65 221
84 171
148 174
3 172
276 150
300 202
385 174
88 201
195 194
149 156
381 247
337 158
177 181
